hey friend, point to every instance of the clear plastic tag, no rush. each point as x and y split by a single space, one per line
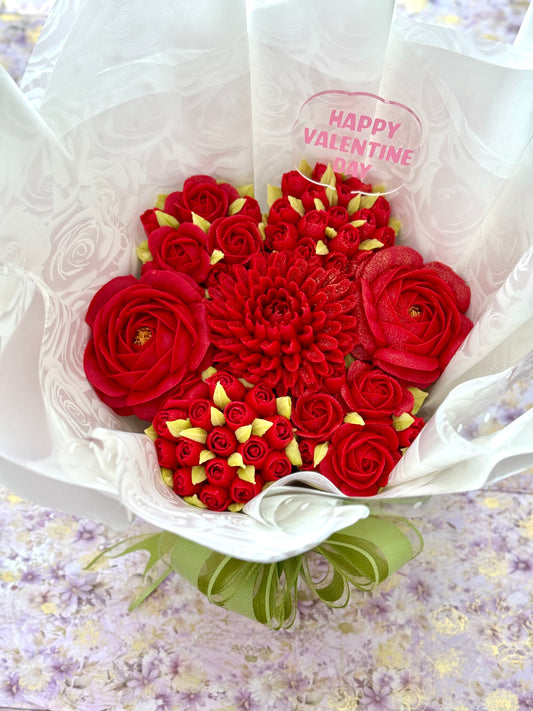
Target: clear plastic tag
360 135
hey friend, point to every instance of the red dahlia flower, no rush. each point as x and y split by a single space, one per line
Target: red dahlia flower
283 321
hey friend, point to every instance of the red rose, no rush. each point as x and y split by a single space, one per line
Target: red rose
276 466
280 237
149 221
216 498
233 388
280 434
183 485
340 262
148 336
202 195
338 216
282 211
316 416
346 241
374 393
306 249
200 413
242 491
407 436
166 453
254 451
313 224
262 400
348 189
180 250
411 318
360 459
238 414
221 441
219 472
237 237
188 452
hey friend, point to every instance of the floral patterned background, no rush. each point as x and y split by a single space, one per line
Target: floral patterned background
452 630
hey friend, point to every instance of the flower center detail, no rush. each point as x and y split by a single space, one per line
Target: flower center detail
414 311
142 336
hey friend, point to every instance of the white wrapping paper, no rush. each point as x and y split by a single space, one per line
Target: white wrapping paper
123 103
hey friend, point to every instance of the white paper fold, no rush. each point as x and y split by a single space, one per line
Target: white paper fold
126 100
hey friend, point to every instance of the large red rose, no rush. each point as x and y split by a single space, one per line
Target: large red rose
181 250
202 195
316 416
360 458
148 336
410 314
237 237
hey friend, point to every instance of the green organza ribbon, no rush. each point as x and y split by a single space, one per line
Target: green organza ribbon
363 555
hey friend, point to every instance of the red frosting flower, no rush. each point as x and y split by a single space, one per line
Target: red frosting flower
283 322
254 451
360 458
276 466
243 491
262 400
280 237
148 335
183 485
202 195
180 250
316 416
237 237
216 498
411 314
372 392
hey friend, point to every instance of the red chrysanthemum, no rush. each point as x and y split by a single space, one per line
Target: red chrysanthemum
283 321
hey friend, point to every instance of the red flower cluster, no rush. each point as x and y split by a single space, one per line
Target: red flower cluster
311 306
219 449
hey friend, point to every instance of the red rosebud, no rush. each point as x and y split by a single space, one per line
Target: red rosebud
254 451
216 498
406 437
233 387
200 413
221 441
276 466
386 235
238 414
373 393
202 195
313 224
280 434
242 491
381 210
168 415
183 485
314 192
149 221
219 472
166 453
281 237
262 400
282 211
337 216
367 230
293 183
346 241
181 249
307 449
188 452
251 208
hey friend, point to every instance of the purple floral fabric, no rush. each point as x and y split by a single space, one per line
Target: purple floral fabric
452 630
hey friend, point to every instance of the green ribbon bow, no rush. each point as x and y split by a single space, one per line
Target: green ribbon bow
363 555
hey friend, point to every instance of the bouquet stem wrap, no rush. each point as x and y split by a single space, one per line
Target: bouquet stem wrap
363 555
